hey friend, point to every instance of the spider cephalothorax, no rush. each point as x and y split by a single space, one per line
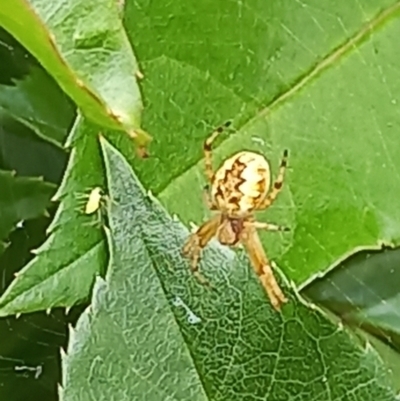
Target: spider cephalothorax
239 187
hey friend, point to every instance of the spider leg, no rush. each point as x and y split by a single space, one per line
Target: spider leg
259 225
207 147
81 196
270 198
207 198
197 241
262 267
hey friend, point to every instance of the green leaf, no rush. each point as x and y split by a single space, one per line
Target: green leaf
364 291
84 47
63 271
170 338
337 115
21 198
48 116
209 61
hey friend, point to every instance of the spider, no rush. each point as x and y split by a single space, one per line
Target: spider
239 187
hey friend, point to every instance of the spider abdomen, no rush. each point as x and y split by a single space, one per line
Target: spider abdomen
241 183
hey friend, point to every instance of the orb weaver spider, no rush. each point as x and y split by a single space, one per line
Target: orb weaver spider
239 187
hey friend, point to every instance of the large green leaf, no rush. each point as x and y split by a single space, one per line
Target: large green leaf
153 332
340 123
83 45
209 61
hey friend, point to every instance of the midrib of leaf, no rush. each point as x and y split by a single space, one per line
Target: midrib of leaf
165 292
351 43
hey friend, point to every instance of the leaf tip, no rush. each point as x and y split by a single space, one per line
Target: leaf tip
55 197
60 388
63 353
72 333
139 74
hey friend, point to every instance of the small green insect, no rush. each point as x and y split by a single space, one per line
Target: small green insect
95 203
